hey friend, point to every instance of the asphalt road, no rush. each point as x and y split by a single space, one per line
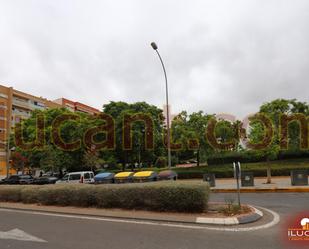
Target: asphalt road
75 233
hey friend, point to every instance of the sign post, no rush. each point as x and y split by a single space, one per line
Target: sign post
237 170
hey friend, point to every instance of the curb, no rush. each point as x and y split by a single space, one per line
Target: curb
243 219
261 190
237 220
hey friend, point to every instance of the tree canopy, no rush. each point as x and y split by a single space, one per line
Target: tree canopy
130 124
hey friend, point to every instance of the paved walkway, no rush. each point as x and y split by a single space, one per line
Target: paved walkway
277 184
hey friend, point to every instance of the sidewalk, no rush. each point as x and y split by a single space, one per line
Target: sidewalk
279 184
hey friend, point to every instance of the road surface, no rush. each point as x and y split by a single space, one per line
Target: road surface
75 233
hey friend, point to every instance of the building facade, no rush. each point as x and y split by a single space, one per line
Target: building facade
171 116
76 106
16 106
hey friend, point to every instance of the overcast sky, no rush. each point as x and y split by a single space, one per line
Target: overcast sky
220 56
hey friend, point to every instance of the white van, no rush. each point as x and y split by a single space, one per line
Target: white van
77 177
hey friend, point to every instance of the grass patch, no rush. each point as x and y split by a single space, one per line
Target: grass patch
231 210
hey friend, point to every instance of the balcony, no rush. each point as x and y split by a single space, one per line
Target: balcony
4 107
17 112
33 106
21 103
3 153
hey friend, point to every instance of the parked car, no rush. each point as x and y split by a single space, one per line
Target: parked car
168 175
77 177
45 180
18 179
55 174
104 177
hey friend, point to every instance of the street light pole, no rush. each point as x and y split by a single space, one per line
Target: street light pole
8 152
155 47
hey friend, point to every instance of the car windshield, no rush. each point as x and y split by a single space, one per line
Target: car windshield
13 177
25 177
75 177
65 178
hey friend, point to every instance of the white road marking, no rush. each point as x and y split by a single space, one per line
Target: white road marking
260 213
17 234
276 219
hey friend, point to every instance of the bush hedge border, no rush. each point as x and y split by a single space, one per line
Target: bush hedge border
156 196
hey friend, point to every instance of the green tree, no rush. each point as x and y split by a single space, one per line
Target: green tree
270 152
227 132
92 161
50 156
190 130
273 110
118 110
276 108
18 161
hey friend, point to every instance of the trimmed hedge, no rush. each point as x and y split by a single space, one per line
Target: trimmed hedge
252 156
292 154
227 172
230 157
158 196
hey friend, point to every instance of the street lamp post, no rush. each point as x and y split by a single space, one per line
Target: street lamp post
155 47
8 152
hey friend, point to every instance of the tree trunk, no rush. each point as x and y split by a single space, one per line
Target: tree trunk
198 157
60 173
268 173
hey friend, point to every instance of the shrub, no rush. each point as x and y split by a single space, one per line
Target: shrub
10 193
291 154
192 174
155 196
161 162
29 194
249 156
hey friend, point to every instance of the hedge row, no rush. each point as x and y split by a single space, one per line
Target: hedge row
252 156
292 154
159 196
229 173
230 157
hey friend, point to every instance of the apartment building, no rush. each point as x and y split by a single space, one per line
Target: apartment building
171 116
16 105
76 106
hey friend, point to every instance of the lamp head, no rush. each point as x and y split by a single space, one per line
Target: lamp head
154 45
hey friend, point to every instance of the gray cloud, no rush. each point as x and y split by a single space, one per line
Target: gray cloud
221 56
